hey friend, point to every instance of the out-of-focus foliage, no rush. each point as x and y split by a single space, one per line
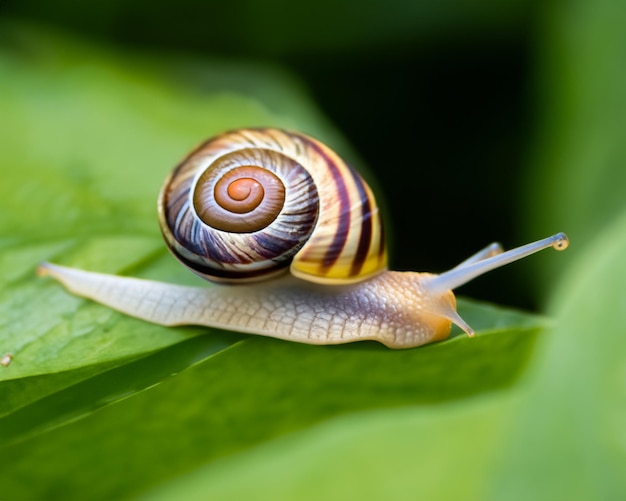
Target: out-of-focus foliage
278 27
568 438
430 92
87 136
577 179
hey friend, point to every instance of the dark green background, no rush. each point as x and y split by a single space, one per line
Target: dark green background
435 97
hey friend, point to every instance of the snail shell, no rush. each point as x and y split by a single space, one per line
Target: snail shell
251 203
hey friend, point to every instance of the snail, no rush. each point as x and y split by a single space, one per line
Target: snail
299 232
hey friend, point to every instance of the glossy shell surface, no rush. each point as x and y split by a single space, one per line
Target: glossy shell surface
251 203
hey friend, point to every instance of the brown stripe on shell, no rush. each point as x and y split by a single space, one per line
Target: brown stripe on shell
343 224
365 239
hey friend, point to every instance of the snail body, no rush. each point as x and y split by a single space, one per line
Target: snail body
284 216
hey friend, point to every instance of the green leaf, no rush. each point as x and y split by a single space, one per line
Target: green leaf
75 394
436 452
236 398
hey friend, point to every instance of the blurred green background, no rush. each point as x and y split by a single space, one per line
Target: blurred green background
475 121
435 97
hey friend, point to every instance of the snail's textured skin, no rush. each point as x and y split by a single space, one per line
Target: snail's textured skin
390 308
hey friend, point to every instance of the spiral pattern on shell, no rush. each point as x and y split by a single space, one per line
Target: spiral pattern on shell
250 203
